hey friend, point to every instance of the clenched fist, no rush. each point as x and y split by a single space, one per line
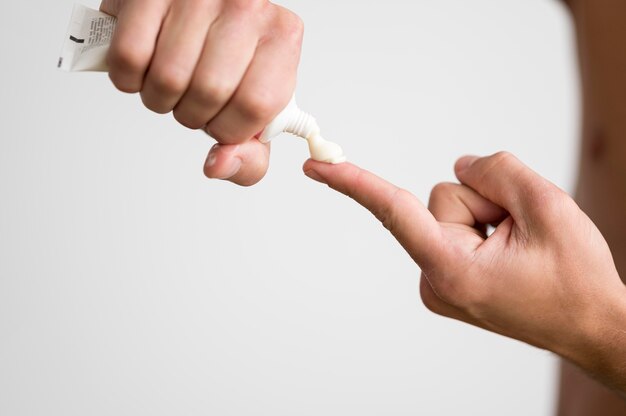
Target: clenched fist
226 66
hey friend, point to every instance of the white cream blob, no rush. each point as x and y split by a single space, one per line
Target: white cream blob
324 151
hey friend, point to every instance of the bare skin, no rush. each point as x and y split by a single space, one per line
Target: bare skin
593 373
580 311
225 66
601 189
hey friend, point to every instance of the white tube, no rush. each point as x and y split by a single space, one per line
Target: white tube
87 41
297 122
85 49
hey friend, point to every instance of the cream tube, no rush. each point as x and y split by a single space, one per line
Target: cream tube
297 122
87 41
85 49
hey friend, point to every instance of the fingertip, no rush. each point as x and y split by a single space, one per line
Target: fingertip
309 169
243 165
328 173
311 173
308 165
464 163
222 162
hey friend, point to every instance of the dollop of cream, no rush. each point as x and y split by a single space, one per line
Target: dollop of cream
324 151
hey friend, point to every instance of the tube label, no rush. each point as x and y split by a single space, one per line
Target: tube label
87 41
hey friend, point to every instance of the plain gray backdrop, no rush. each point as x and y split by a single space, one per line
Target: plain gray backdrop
132 285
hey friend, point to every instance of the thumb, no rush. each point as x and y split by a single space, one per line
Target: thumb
400 211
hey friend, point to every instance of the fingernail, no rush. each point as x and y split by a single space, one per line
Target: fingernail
212 158
465 162
314 175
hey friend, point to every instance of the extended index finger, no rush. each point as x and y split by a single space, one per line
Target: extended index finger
400 211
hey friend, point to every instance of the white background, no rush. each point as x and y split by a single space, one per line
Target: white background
132 285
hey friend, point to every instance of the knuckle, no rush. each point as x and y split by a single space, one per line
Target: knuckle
388 215
168 80
552 203
202 101
495 165
502 158
126 60
211 90
291 26
259 107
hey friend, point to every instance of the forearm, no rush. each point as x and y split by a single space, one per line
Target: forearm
601 350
